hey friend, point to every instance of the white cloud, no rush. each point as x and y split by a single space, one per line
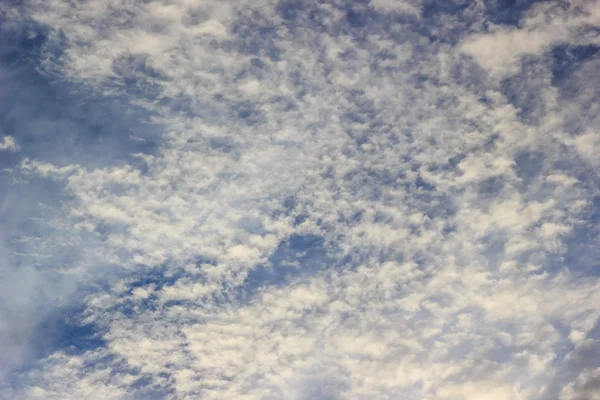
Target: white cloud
588 146
500 50
585 387
440 277
403 7
8 143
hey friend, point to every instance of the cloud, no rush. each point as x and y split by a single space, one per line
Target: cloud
587 386
8 143
408 7
426 201
500 51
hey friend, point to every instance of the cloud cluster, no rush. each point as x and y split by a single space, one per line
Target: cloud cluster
501 49
8 143
446 182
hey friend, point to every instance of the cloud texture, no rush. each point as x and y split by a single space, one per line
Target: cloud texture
332 200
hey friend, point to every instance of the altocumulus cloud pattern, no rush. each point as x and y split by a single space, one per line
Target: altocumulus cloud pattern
300 199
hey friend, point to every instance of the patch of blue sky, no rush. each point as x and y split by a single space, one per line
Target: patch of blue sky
58 121
65 330
566 59
582 255
299 257
64 123
570 66
508 12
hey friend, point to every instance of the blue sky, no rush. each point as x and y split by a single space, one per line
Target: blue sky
306 200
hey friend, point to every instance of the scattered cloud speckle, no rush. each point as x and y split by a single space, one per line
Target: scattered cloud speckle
265 200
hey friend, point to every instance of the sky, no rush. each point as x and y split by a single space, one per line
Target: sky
311 200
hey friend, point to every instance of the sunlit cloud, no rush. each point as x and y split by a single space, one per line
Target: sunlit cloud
316 201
